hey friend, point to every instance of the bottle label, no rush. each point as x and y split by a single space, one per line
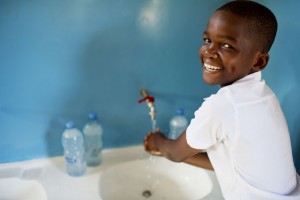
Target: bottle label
70 160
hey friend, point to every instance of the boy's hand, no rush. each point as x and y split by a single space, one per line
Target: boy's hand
151 142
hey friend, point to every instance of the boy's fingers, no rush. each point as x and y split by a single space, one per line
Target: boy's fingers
155 153
146 146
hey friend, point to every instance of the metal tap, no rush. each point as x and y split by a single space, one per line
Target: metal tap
150 103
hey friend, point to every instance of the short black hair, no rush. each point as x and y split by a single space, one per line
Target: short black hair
261 22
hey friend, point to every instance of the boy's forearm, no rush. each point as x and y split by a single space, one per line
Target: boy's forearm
200 160
177 150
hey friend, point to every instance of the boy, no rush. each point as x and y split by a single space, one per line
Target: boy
240 132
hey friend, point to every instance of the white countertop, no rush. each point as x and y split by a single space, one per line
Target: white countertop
58 185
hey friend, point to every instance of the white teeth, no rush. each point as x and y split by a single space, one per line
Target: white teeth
212 68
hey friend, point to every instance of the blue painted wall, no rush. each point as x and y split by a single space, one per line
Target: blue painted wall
60 60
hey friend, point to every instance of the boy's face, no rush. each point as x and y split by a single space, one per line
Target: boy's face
227 54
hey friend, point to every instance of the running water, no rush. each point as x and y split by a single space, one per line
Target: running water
151 175
153 123
155 180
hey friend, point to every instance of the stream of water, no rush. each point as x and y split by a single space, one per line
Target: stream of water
153 123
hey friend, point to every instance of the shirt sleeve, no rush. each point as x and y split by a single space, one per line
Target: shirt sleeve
206 128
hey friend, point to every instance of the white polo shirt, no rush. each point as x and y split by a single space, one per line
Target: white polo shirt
244 132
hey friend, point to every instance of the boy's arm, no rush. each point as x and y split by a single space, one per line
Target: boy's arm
200 160
176 150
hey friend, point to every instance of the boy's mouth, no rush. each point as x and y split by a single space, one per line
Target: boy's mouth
211 68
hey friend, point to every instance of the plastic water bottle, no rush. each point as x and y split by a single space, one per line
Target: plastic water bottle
73 143
178 124
92 132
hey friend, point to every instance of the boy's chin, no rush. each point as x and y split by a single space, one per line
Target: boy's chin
210 81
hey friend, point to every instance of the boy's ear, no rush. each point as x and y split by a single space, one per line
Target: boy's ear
261 62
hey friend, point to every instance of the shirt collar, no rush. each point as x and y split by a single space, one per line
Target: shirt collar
256 76
243 83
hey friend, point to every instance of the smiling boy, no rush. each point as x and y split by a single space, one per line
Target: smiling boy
240 131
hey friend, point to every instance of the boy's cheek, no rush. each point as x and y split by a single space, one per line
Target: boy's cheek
201 52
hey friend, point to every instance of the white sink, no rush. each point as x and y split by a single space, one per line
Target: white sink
154 178
17 189
126 173
18 182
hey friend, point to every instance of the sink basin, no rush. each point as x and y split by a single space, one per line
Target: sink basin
20 183
126 173
154 178
18 189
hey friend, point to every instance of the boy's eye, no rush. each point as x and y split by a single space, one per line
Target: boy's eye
227 46
206 40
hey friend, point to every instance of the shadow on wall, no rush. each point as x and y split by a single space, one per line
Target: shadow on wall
103 83
297 143
289 105
54 133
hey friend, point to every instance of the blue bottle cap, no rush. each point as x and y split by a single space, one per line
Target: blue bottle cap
70 124
180 111
92 116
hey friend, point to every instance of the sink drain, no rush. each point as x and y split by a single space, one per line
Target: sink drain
147 193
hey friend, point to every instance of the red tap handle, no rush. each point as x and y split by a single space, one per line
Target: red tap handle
148 99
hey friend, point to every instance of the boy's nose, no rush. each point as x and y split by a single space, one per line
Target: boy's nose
210 52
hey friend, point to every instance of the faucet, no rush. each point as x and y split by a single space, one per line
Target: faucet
150 103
